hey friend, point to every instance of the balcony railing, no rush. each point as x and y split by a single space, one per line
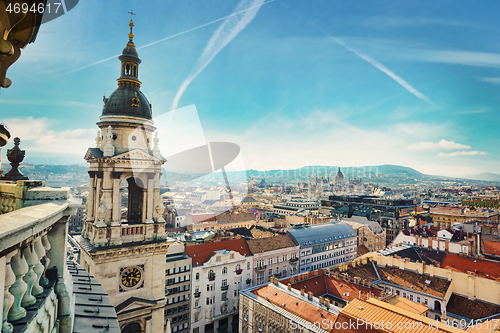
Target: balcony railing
238 271
293 260
225 287
260 268
197 294
33 263
211 277
249 281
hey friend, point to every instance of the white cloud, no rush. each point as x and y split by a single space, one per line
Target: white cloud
462 153
468 58
441 145
36 135
495 80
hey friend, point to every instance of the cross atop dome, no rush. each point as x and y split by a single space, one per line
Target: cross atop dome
131 25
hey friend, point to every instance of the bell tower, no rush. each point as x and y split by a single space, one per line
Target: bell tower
123 241
126 160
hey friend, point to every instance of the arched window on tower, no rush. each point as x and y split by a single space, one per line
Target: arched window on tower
135 71
127 69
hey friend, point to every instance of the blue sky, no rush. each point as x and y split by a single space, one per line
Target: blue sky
293 83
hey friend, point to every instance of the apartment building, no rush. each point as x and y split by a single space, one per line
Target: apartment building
276 256
324 245
220 271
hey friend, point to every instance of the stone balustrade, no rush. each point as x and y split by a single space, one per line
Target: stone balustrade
34 283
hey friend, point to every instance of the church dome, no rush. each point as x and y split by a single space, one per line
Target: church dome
130 50
127 101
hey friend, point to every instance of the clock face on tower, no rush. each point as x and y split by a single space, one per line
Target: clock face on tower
131 277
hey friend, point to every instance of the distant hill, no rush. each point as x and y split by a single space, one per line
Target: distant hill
330 171
486 176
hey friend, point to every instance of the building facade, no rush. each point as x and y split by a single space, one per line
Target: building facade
370 233
324 245
220 271
276 256
177 288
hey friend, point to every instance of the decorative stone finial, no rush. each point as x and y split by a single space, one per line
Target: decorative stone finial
156 150
104 99
15 156
109 149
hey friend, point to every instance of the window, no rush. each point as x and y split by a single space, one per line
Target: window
238 267
248 265
270 271
224 282
224 270
404 295
197 276
418 299
411 297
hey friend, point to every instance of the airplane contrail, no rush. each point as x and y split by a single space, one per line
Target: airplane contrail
229 29
384 69
370 60
167 38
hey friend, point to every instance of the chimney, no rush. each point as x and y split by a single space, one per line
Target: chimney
446 245
292 279
321 300
310 295
429 242
289 286
302 292
327 302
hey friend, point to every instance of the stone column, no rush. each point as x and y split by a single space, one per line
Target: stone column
98 192
107 192
8 298
39 268
45 260
30 277
150 206
116 211
144 205
18 289
91 198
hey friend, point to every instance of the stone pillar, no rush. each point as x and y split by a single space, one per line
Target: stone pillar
8 298
144 204
18 289
91 198
30 277
116 211
39 268
107 189
97 196
150 200
45 260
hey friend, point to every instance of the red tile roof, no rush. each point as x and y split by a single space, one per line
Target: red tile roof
472 309
479 267
197 218
294 305
362 250
491 248
201 253
326 283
